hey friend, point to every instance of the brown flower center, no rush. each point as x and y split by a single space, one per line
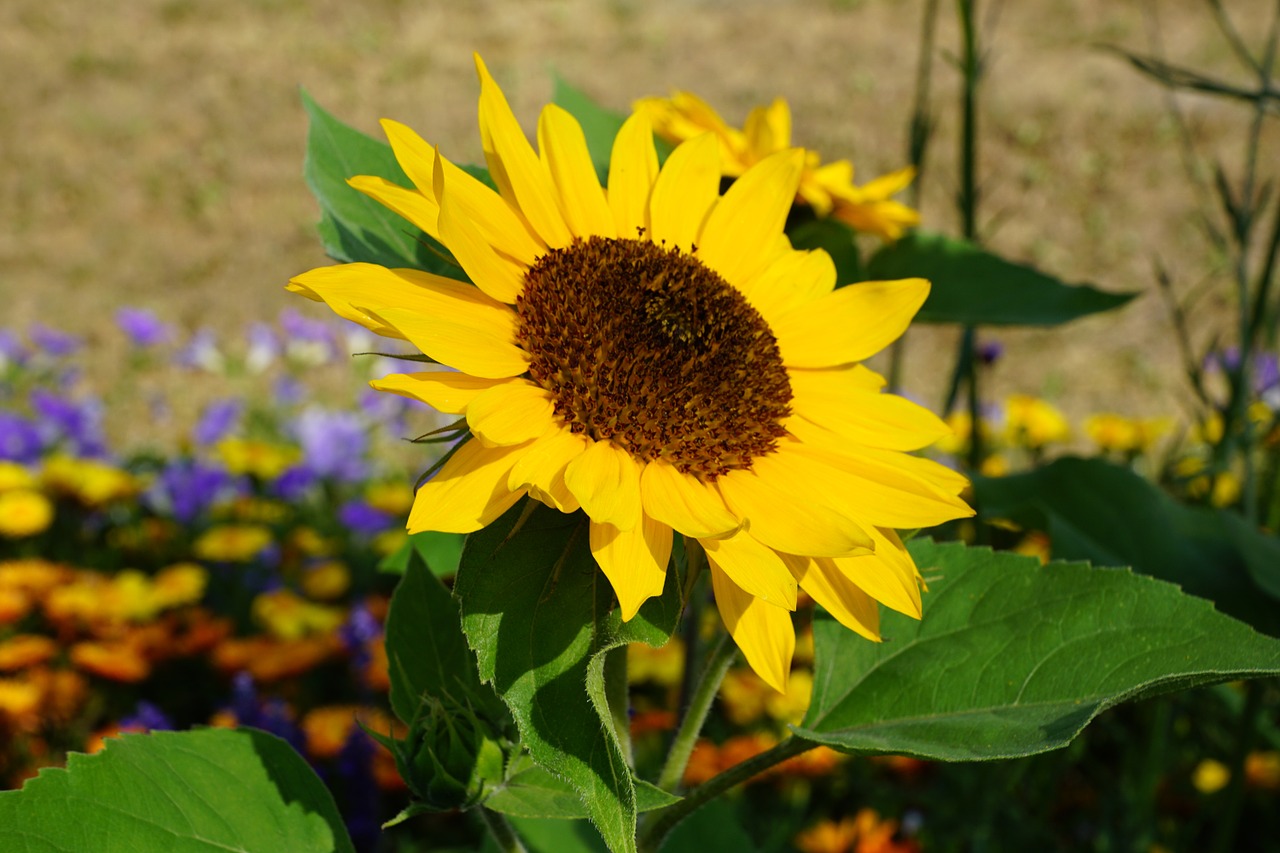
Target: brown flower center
649 348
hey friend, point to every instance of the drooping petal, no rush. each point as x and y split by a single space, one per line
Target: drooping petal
350 288
763 632
514 167
463 328
788 514
889 575
755 568
495 274
511 413
469 492
634 561
685 503
683 194
564 151
839 596
738 235
442 390
408 204
541 468
633 167
606 481
849 324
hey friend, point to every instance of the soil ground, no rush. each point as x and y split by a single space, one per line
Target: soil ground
152 150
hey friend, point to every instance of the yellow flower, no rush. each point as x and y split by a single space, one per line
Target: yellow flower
828 189
24 512
24 650
228 543
393 498
389 542
260 459
1112 432
289 617
660 357
1210 776
791 706
181 583
1032 422
15 476
664 665
91 482
326 581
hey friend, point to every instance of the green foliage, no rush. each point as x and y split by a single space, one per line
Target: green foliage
534 792
182 792
440 551
974 287
1012 659
540 615
1094 510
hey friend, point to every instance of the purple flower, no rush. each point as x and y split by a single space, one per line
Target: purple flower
333 443
201 352
19 439
307 341
361 628
186 488
1266 372
293 485
79 424
288 391
989 352
217 419
364 520
270 715
53 342
143 327
264 348
147 717
12 350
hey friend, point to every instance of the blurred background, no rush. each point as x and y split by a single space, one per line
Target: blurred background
152 151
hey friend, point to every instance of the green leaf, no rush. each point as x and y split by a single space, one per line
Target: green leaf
354 227
1012 659
714 828
440 551
975 287
540 614
837 240
181 792
427 654
549 835
1094 510
535 792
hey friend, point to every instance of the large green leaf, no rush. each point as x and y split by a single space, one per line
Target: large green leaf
540 615
427 654
534 792
440 551
354 227
1012 659
1094 510
205 791
975 287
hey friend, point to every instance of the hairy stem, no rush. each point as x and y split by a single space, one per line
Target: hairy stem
696 713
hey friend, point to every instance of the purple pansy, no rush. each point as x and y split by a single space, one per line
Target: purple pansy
143 327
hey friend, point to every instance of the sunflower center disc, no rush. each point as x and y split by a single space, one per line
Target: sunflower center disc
649 348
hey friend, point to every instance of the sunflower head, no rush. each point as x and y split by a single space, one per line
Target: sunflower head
657 355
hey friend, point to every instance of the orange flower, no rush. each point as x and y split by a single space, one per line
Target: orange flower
24 650
864 833
20 703
269 660
645 722
828 836
821 761
376 675
1262 770
327 729
117 661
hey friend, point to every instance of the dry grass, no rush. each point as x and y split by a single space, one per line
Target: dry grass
152 150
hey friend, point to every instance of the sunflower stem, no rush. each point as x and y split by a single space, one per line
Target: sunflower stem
665 820
696 713
502 831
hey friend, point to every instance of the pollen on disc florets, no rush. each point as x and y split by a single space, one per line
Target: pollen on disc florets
649 348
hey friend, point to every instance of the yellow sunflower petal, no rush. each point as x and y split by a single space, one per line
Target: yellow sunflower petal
763 632
370 286
865 417
511 413
541 468
633 167
564 150
683 194
768 129
503 227
789 514
890 184
442 390
498 276
634 561
793 279
465 329
514 167
408 204
685 503
416 157
469 492
738 237
850 324
755 568
606 481
889 575
842 598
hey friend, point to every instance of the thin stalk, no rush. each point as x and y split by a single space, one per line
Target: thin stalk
666 819
618 696
696 713
502 831
1233 796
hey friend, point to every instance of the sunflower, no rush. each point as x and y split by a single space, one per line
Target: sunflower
658 356
827 188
